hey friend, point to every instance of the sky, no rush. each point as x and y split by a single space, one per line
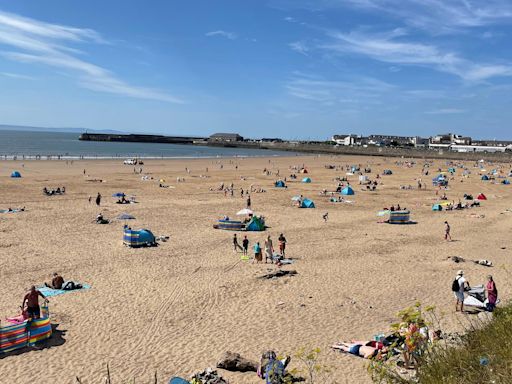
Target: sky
296 69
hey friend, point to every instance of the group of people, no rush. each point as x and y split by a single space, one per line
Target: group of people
460 285
268 248
56 191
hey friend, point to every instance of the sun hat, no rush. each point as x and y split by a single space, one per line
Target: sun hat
460 272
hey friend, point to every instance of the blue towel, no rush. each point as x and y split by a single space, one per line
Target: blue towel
50 292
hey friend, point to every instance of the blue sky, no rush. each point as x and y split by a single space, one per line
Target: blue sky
263 68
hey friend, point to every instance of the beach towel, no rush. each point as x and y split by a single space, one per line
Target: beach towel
178 380
50 292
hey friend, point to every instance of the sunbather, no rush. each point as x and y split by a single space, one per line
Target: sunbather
57 281
364 349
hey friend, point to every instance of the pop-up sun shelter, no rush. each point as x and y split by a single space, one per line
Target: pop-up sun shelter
139 238
399 217
306 180
485 178
256 224
306 203
481 197
439 180
437 207
279 184
347 191
506 182
15 174
387 172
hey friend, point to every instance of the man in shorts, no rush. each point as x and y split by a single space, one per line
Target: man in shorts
32 300
459 295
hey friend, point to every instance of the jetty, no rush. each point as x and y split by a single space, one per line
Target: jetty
136 138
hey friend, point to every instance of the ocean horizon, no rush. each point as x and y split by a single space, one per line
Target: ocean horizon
29 145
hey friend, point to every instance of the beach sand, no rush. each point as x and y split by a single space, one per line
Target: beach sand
176 308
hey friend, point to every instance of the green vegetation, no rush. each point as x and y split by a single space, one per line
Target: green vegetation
482 355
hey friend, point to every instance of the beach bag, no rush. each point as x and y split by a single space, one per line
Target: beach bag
456 285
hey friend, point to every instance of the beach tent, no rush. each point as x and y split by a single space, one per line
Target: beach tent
481 197
354 169
245 211
485 177
451 170
279 184
399 217
256 224
505 182
439 180
347 190
437 207
387 172
306 203
306 180
15 174
138 238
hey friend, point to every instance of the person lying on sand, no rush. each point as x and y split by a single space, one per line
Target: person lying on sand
364 349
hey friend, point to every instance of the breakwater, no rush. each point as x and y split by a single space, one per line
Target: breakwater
135 138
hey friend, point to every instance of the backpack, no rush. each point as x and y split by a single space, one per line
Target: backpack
274 372
456 285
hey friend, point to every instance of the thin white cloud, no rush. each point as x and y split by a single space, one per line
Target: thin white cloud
227 35
44 43
299 47
446 111
16 76
433 16
390 47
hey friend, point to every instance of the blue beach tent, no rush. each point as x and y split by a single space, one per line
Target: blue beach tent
347 191
306 203
279 184
15 174
485 177
437 207
306 180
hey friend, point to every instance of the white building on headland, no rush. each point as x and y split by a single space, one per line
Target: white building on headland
345 139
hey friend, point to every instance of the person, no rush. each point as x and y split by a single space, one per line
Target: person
492 294
325 216
364 349
282 244
90 199
447 228
272 369
236 246
257 252
245 245
269 250
32 301
57 281
98 199
249 201
460 282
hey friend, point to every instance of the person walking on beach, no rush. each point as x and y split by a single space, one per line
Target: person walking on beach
269 250
249 201
32 301
492 294
447 229
325 216
257 253
282 244
458 287
245 245
98 199
236 246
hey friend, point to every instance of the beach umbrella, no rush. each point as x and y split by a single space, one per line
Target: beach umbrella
245 211
296 198
125 216
118 194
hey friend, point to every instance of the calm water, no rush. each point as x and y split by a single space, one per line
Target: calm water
19 143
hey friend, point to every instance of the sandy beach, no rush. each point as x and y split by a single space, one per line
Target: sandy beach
176 308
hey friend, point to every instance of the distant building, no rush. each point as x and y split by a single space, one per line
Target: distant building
225 137
445 140
344 139
271 140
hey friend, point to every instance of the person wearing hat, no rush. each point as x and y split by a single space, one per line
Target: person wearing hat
460 282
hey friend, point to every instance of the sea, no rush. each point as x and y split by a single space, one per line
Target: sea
62 145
